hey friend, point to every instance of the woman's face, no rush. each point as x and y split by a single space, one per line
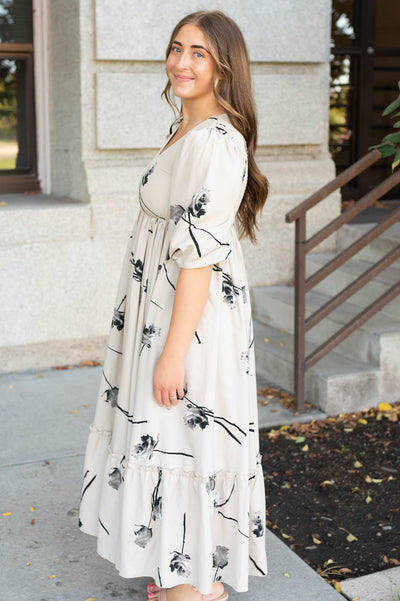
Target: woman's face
190 66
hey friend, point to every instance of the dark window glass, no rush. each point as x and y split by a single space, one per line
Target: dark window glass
15 21
343 31
18 171
14 147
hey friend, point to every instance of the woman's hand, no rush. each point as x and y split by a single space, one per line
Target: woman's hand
168 379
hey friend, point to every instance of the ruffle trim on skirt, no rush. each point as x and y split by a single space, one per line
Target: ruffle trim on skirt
174 526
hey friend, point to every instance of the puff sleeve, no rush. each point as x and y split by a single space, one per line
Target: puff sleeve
207 185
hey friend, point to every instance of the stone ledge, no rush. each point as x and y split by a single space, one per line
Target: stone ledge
42 218
52 353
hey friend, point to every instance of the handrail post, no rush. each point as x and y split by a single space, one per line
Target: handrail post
299 311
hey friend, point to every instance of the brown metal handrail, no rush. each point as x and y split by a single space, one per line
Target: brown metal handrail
303 284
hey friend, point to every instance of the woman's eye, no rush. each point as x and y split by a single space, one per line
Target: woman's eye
198 54
175 49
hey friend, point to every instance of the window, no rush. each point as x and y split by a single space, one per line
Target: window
17 115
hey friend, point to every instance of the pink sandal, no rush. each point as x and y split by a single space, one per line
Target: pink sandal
162 594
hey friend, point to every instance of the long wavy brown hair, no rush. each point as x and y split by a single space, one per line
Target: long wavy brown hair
233 91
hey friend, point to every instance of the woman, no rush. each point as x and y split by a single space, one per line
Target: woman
179 494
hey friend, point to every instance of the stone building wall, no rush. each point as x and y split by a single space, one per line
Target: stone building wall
62 251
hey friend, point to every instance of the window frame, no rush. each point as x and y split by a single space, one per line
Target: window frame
23 180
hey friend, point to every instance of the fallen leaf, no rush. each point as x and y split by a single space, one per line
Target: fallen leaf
266 340
73 410
338 587
368 499
362 421
28 563
31 509
357 464
86 405
316 540
32 521
11 386
390 478
3 204
305 448
285 535
328 562
384 406
351 538
325 482
52 576
299 439
286 574
7 513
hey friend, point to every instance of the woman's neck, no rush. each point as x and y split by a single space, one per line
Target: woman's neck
194 112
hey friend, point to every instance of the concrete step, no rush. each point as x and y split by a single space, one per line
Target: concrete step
335 384
377 249
376 342
348 272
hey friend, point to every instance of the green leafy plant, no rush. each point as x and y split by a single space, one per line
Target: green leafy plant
397 597
390 144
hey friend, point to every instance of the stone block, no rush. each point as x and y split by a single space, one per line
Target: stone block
133 30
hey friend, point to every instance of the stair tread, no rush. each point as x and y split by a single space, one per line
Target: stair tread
378 324
333 364
354 267
393 232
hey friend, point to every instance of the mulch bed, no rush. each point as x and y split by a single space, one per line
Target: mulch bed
332 489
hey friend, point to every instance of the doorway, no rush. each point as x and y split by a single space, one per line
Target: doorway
365 69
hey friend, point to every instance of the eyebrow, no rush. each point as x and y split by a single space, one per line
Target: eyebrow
192 46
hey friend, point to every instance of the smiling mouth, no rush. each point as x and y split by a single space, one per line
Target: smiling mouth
183 78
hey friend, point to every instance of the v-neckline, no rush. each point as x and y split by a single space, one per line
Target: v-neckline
163 149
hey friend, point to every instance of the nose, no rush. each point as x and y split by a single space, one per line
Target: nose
183 60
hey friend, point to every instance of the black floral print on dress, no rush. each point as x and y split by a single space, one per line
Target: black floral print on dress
195 416
118 317
229 290
111 393
219 501
210 484
220 560
257 522
137 268
146 448
199 416
146 176
221 130
180 562
115 477
145 533
196 209
176 212
112 398
150 334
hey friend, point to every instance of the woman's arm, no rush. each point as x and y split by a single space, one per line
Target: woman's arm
190 298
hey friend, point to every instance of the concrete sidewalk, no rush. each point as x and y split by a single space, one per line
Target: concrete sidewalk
43 433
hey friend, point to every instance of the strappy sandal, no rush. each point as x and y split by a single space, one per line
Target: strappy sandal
152 590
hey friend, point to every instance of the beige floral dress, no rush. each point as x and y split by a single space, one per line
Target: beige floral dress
178 495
